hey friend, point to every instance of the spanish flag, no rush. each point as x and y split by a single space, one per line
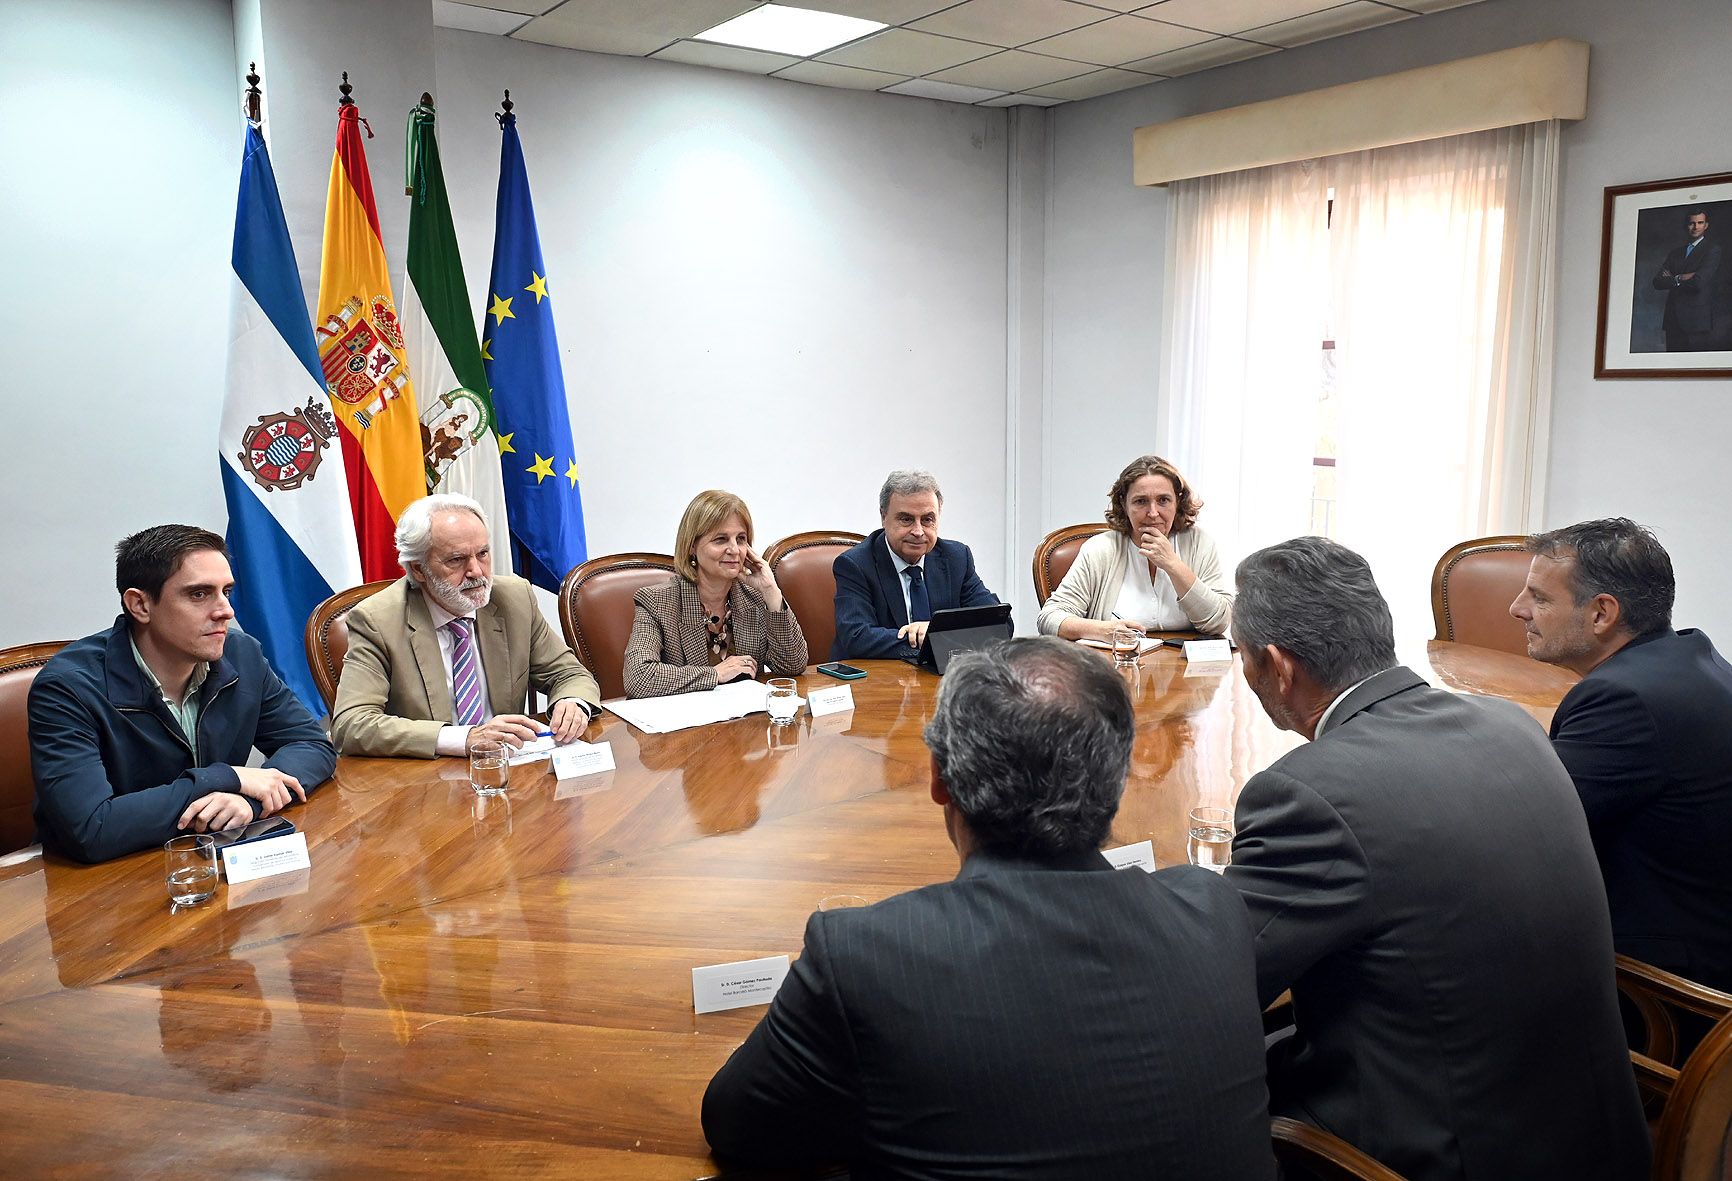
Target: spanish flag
362 355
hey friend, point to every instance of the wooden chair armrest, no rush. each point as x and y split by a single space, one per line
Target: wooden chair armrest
1323 1154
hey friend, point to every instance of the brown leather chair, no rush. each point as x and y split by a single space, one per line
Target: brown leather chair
804 568
327 636
1310 1152
18 668
1693 1139
1056 553
1471 590
595 611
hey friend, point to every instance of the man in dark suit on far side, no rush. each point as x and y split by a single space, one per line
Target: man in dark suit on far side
1689 277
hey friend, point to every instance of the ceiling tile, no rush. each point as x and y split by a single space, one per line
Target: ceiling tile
948 91
1332 22
473 19
1012 70
848 77
1090 85
1431 5
1020 100
1117 40
1232 16
724 57
1219 52
522 7
1009 22
636 27
905 52
1116 6
891 12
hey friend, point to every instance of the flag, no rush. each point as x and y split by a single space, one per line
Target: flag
459 446
363 358
291 538
537 456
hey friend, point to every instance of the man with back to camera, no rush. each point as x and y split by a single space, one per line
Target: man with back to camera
1420 875
888 586
143 731
1689 277
445 656
1040 1016
1646 735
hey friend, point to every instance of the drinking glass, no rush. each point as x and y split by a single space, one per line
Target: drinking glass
1125 643
192 869
1211 844
490 768
784 700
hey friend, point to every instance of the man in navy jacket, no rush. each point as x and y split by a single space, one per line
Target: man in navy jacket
143 731
1646 735
888 586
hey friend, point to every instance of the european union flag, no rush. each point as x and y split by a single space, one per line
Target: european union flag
537 457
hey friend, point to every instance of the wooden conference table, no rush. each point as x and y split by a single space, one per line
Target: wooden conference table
465 987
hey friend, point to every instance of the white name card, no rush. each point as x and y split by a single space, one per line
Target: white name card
1208 651
738 985
582 758
262 859
1142 854
830 701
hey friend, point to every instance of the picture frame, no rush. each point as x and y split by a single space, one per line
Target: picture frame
1657 320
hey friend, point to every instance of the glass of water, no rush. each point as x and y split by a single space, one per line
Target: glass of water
192 869
490 768
784 700
1211 844
1125 643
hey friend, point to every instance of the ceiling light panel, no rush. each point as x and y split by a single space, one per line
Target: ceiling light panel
797 32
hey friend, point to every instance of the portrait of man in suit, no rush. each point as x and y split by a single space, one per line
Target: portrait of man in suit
1690 277
1680 300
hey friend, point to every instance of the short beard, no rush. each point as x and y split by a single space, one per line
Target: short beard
452 598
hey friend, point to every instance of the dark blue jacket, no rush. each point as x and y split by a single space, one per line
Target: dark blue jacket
869 609
114 772
1647 737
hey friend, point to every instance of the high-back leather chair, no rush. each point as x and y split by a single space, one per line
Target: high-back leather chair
1471 590
18 668
327 636
1055 555
595 611
804 568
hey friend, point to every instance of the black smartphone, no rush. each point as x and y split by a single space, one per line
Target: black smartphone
257 830
842 672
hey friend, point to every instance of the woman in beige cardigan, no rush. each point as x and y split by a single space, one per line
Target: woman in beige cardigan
721 619
1152 567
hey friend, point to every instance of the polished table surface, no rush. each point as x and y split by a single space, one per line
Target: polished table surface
502 987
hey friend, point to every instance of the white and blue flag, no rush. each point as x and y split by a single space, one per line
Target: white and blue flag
291 533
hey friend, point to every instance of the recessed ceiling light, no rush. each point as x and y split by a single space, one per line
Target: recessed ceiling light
799 32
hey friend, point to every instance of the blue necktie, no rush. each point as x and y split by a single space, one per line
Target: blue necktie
919 606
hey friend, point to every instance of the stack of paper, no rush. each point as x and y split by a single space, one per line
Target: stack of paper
1144 646
681 711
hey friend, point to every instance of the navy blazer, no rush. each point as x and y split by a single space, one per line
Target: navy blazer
869 609
1647 737
113 770
1030 1020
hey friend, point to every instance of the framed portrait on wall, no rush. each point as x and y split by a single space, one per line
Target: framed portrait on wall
1666 279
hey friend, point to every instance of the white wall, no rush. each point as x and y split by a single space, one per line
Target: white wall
1652 450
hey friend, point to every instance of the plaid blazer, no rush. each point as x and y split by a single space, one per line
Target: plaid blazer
669 650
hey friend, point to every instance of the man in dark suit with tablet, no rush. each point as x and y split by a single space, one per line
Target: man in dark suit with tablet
888 586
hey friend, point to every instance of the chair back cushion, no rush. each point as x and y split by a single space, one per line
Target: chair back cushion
595 611
327 636
1056 553
804 568
18 668
1472 589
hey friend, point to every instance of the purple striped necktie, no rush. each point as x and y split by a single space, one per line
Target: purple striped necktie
465 674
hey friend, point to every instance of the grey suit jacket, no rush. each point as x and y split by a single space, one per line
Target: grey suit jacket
669 649
394 696
1422 878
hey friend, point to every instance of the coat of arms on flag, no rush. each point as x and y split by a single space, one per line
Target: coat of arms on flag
283 450
452 424
359 354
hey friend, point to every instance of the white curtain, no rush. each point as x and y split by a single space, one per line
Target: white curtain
1435 280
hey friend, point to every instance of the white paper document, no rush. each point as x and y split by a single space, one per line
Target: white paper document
1140 854
533 751
737 985
1144 646
681 711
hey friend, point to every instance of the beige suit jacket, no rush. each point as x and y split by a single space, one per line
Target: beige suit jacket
669 650
394 696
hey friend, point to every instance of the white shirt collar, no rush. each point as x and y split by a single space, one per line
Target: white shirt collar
1324 720
897 559
440 616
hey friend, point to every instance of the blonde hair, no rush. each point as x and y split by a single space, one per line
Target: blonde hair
705 512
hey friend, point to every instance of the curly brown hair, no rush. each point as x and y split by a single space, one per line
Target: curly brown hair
1151 465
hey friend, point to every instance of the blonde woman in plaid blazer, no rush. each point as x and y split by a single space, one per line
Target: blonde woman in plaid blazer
721 619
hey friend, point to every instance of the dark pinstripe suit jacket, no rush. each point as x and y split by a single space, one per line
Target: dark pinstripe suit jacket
1027 1020
669 649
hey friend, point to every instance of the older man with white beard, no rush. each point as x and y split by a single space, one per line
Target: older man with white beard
445 657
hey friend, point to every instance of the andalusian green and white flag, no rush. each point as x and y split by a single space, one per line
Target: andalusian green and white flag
459 439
